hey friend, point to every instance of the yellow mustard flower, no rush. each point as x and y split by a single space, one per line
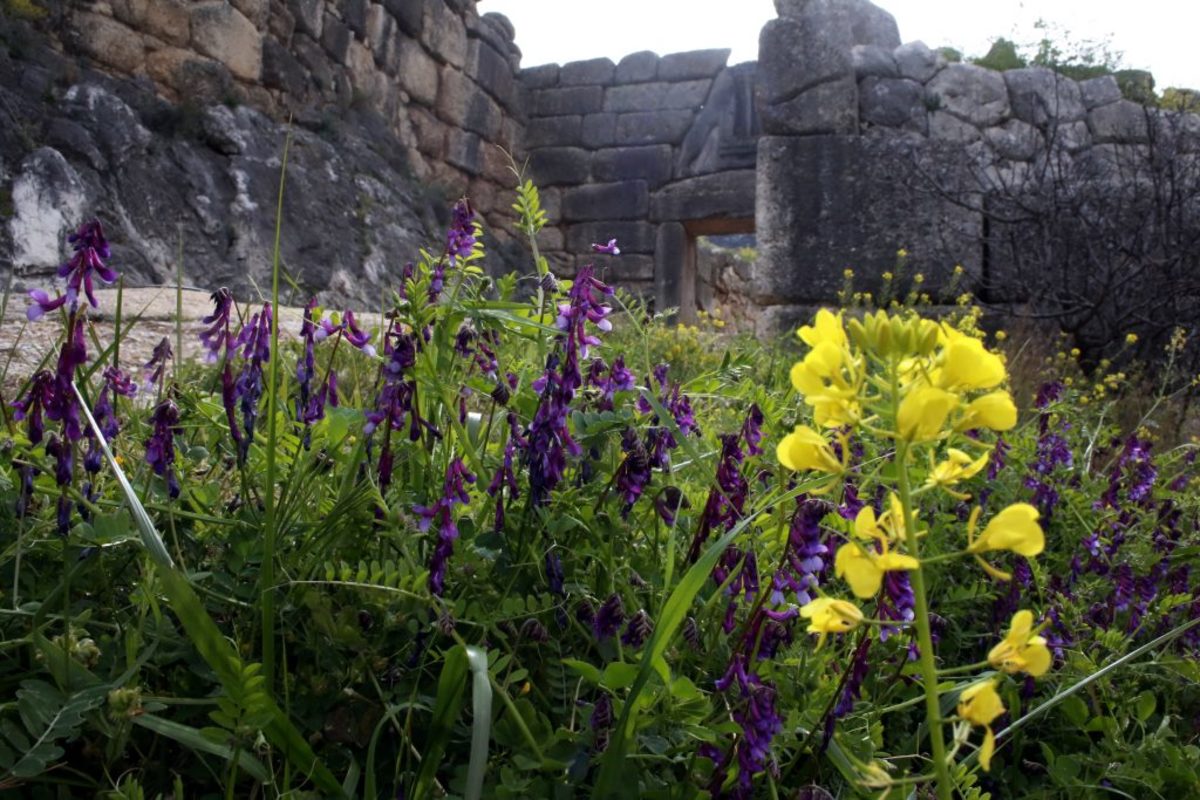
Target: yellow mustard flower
979 704
826 615
1131 338
1021 650
958 466
826 377
967 364
863 568
923 413
826 327
1015 528
995 411
806 450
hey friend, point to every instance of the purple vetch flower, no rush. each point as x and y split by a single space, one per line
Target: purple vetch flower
601 722
218 336
454 492
116 383
254 342
91 250
460 239
548 433
745 580
798 576
610 380
752 431
505 476
852 686
638 629
1134 470
160 447
896 603
347 327
609 249
608 618
154 371
754 711
42 304
633 475
669 502
34 405
726 499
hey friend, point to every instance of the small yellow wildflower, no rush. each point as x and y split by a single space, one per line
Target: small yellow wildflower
1075 353
1131 338
1015 528
959 466
918 278
827 615
847 273
1001 336
862 567
979 704
1021 650
958 269
901 253
887 276
804 449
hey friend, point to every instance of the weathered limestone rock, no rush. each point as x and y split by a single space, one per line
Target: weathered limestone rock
672 289
281 69
556 166
310 16
601 201
445 34
465 151
872 61
1122 122
1015 140
870 24
656 96
551 131
728 195
894 103
971 93
650 163
256 11
798 54
221 32
108 42
949 128
164 19
595 71
419 74
1039 96
637 67
409 15
826 108
492 72
48 200
692 65
599 130
543 77
1099 91
566 100
917 62
651 127
826 203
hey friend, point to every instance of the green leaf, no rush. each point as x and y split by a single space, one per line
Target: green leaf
451 688
203 741
1144 705
619 675
589 673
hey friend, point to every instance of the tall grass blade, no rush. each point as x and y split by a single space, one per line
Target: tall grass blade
204 634
452 686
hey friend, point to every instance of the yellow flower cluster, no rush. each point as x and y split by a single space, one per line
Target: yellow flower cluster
922 385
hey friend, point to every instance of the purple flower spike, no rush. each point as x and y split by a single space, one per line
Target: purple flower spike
34 404
460 239
155 370
91 250
608 618
218 335
160 447
454 492
609 249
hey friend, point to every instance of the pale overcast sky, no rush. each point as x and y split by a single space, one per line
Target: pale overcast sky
1160 35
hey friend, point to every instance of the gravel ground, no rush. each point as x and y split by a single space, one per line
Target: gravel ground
23 344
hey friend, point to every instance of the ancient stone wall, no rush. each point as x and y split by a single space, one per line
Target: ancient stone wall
440 75
638 151
871 146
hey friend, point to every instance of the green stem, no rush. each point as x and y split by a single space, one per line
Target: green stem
929 678
267 576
